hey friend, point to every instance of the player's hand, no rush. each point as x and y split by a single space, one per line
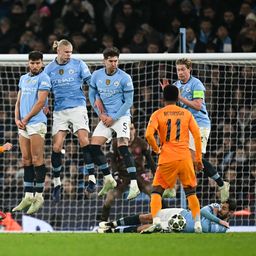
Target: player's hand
46 110
7 146
99 105
106 120
164 83
224 223
25 121
20 125
198 166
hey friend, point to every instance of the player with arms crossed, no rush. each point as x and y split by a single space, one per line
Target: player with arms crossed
214 219
172 124
70 113
192 97
31 121
115 89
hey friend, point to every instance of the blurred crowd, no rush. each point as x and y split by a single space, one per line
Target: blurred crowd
134 26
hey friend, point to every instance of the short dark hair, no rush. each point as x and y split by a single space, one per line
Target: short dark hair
35 55
111 52
171 93
231 204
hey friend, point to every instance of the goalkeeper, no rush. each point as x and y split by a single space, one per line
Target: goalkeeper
214 219
192 97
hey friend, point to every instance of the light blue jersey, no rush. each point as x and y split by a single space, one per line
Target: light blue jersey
29 85
115 91
194 89
208 225
67 81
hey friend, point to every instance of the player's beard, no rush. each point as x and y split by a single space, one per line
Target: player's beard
35 71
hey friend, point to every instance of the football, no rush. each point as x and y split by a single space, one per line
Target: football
177 223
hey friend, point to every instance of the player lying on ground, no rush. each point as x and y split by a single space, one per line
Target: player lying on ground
214 219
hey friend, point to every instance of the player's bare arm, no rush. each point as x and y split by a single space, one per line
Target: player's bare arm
18 122
99 105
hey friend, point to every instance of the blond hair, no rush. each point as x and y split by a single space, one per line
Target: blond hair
184 61
56 44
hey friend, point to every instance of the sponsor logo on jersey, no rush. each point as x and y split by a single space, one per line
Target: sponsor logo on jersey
71 71
107 82
61 71
62 81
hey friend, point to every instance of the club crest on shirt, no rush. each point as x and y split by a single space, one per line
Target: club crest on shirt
61 71
107 82
116 83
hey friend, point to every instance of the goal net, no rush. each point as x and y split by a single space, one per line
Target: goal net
231 102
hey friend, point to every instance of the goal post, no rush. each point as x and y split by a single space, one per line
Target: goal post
231 102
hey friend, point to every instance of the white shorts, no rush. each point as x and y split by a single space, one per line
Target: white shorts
205 133
165 214
33 129
71 120
120 126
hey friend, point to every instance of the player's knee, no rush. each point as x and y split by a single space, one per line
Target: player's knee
83 141
26 160
37 160
190 191
57 147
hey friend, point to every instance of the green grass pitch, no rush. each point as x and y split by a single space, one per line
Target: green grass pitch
65 244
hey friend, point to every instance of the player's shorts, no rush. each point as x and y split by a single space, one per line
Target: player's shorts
165 214
205 133
33 129
120 126
71 120
167 174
